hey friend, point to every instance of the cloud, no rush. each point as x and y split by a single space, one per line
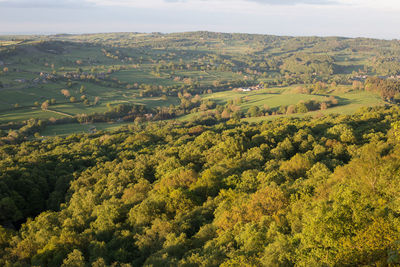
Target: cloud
213 5
269 2
295 2
275 2
369 18
374 4
65 4
154 4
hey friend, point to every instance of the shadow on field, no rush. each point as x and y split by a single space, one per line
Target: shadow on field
345 101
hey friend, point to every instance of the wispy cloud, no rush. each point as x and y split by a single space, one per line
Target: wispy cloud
269 2
149 3
370 18
375 4
65 4
248 6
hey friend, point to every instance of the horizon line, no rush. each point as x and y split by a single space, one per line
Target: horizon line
48 34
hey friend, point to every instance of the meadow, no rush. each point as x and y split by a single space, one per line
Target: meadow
75 128
155 69
348 103
199 149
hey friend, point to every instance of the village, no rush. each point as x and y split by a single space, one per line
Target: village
249 89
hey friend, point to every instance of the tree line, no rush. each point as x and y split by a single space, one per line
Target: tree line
289 192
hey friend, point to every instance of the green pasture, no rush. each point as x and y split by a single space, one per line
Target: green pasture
142 76
349 103
33 57
273 97
210 76
26 97
27 113
206 78
68 129
71 109
276 97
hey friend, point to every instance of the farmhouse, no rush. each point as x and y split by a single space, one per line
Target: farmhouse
249 89
148 116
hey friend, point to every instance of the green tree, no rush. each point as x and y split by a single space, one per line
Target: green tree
75 258
301 108
45 105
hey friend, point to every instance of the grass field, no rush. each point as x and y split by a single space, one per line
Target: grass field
114 60
276 97
67 129
271 97
71 109
25 95
27 113
142 76
348 104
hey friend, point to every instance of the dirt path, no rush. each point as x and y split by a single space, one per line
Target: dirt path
211 74
60 113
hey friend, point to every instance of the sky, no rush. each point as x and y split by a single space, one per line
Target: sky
349 18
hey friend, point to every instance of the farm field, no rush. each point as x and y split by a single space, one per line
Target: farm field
199 148
27 113
26 97
348 103
142 76
171 75
75 128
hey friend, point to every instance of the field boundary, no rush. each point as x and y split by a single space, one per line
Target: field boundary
60 113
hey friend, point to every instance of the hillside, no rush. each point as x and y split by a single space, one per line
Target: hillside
199 149
60 78
290 192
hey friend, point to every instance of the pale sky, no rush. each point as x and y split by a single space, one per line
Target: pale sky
351 18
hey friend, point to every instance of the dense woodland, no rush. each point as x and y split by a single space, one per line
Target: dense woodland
289 192
296 186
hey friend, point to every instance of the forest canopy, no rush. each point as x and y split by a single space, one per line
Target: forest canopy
305 192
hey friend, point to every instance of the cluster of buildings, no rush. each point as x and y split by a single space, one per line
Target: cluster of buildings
363 77
75 75
251 88
43 78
